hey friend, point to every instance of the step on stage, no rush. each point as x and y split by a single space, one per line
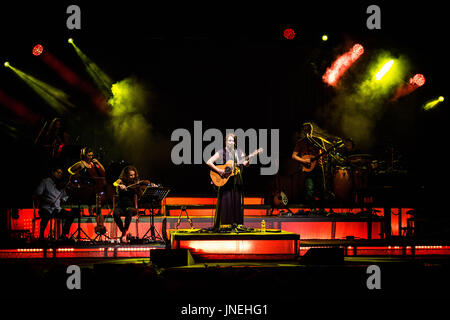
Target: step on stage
250 244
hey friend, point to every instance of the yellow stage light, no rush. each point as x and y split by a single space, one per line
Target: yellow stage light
386 67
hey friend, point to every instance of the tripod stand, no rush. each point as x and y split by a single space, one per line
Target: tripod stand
183 209
150 199
79 230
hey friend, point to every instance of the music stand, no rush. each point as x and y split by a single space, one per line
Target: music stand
150 199
79 230
78 199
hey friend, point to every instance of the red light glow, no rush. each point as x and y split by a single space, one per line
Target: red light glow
38 49
289 34
417 80
341 64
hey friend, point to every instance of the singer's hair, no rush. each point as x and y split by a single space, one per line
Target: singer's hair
234 137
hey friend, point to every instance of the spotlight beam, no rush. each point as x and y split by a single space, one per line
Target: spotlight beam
341 64
413 83
56 98
432 104
18 108
75 80
101 79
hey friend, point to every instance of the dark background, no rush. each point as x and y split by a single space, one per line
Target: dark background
228 65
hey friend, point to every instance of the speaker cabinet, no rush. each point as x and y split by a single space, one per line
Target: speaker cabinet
166 258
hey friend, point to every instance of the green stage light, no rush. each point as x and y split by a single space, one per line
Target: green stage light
324 37
70 40
441 98
6 64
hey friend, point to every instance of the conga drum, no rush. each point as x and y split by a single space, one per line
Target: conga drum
343 184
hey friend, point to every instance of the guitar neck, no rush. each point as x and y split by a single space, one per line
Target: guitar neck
326 151
246 158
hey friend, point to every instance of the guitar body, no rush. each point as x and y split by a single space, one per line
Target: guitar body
280 199
309 167
220 180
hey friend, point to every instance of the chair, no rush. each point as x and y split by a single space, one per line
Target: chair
54 223
136 217
35 218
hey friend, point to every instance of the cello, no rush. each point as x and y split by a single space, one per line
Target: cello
98 173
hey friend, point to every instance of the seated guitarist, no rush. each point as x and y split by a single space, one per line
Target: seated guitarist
229 207
313 181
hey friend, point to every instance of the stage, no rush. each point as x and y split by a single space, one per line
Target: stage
92 92
278 267
184 222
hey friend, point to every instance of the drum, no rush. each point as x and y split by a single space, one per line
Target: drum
343 184
360 159
361 177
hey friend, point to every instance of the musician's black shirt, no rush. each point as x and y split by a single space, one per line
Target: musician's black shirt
126 197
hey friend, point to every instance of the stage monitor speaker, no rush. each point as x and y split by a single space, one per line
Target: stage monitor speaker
166 258
323 256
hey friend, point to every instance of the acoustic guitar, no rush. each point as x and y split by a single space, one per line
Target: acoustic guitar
230 170
280 199
308 167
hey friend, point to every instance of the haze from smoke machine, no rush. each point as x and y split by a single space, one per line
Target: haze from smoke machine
356 108
132 131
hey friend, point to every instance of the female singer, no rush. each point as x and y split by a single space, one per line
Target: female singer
229 207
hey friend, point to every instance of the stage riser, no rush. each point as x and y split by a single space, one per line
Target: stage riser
254 245
307 230
206 220
72 252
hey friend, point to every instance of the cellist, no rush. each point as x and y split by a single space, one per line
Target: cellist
89 174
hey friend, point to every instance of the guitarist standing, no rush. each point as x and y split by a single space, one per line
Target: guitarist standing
307 151
229 207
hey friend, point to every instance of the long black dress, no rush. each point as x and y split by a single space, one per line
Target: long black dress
229 207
